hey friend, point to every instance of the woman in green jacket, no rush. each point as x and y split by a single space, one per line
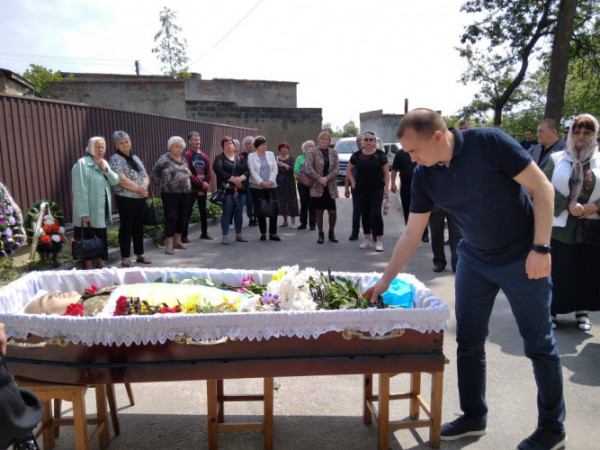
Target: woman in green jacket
92 178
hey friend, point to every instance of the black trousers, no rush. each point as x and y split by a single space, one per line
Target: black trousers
131 224
436 226
307 211
370 210
175 206
257 196
201 199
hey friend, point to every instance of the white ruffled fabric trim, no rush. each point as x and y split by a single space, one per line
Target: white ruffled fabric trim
428 315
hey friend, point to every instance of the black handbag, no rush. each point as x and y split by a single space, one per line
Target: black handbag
218 197
152 213
88 247
268 207
588 232
20 409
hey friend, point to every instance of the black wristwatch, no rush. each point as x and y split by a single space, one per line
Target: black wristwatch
541 249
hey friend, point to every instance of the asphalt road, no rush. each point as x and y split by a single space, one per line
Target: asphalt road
326 412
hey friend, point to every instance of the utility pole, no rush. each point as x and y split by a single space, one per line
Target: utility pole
137 68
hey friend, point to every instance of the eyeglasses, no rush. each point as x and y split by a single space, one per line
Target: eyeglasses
583 133
368 139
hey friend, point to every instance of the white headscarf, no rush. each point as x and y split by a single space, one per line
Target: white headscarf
580 158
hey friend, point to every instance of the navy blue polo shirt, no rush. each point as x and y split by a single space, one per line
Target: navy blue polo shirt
493 211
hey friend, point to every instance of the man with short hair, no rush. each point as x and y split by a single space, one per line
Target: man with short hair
199 165
549 142
478 176
464 124
354 192
529 141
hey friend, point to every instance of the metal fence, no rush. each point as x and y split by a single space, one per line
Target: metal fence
40 141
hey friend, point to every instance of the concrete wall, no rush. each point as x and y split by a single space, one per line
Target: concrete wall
383 125
151 95
292 125
13 84
257 93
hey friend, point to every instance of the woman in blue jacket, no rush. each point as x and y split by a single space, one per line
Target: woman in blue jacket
92 178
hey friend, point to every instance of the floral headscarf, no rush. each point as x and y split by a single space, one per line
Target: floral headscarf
582 157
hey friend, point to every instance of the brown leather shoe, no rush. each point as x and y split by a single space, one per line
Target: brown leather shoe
126 262
143 259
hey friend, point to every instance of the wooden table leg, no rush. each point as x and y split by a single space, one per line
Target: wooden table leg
80 420
221 400
367 394
212 414
415 391
112 406
101 408
383 412
48 428
437 388
268 413
129 394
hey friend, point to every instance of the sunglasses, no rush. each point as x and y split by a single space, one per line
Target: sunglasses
583 133
368 139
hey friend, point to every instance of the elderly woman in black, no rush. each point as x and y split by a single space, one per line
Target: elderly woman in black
575 175
232 173
172 174
323 165
130 195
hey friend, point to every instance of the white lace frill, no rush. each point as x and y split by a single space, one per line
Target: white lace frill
428 315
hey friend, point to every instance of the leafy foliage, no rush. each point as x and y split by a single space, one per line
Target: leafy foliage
171 50
348 130
40 76
506 37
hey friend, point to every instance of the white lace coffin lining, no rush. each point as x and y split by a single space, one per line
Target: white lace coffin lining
428 315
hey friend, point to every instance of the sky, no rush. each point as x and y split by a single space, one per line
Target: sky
348 56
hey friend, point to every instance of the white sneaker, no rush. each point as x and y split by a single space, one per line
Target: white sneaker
379 247
366 244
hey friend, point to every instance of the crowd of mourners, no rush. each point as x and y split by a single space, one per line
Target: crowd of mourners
266 187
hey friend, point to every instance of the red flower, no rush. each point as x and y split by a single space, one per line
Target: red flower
121 308
45 239
93 290
47 228
166 309
74 309
56 228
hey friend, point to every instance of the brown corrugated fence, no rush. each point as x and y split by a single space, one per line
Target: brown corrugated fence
41 139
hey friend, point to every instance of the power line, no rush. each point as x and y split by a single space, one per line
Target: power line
226 34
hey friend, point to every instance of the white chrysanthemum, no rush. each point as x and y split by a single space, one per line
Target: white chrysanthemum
56 238
61 230
48 219
292 287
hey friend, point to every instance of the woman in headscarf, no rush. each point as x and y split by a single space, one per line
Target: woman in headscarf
575 174
92 178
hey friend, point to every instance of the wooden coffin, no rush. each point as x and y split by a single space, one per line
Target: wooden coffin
213 346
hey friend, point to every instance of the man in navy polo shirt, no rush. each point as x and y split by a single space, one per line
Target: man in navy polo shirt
478 176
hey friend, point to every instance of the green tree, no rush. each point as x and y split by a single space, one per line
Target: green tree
349 129
171 50
500 46
40 76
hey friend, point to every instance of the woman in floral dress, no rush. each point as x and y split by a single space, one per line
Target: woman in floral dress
288 200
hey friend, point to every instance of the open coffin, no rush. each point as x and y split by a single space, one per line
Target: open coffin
214 346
